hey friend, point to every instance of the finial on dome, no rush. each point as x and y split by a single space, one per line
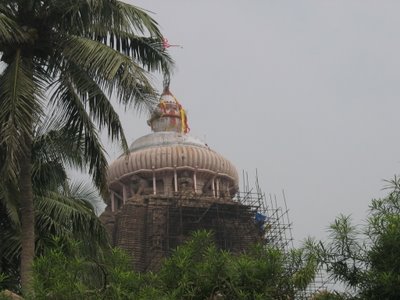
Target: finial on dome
168 115
166 91
167 80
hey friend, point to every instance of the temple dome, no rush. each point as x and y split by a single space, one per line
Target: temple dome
161 151
165 138
169 154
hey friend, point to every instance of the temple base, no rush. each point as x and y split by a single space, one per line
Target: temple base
150 227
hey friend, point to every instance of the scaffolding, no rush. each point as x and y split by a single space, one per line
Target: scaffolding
276 223
149 227
277 226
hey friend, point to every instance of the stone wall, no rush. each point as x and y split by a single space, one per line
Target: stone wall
149 228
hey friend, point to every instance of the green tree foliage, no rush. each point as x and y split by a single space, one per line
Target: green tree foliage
66 213
62 208
71 55
366 258
327 295
198 270
66 272
195 270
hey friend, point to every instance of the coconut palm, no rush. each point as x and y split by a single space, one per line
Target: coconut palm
72 55
65 213
62 208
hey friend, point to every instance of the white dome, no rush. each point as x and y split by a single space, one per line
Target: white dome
161 151
165 138
171 151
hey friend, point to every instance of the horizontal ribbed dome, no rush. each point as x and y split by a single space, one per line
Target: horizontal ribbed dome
170 161
168 150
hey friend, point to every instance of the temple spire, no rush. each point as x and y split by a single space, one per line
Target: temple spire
168 115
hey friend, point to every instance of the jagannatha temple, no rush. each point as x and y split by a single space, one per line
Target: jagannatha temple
170 184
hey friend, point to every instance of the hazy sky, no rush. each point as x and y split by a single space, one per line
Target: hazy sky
307 92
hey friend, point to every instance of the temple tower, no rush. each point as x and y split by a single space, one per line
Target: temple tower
170 184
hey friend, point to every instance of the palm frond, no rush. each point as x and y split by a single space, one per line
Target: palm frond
65 212
69 213
115 73
78 16
146 50
10 32
101 60
57 214
82 192
9 201
19 103
98 104
9 223
46 174
139 19
78 121
53 142
11 244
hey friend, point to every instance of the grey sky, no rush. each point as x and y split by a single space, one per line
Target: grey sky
304 91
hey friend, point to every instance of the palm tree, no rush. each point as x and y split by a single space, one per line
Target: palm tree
62 208
66 213
72 55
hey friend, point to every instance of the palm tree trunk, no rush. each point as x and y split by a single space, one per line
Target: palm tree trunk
27 218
